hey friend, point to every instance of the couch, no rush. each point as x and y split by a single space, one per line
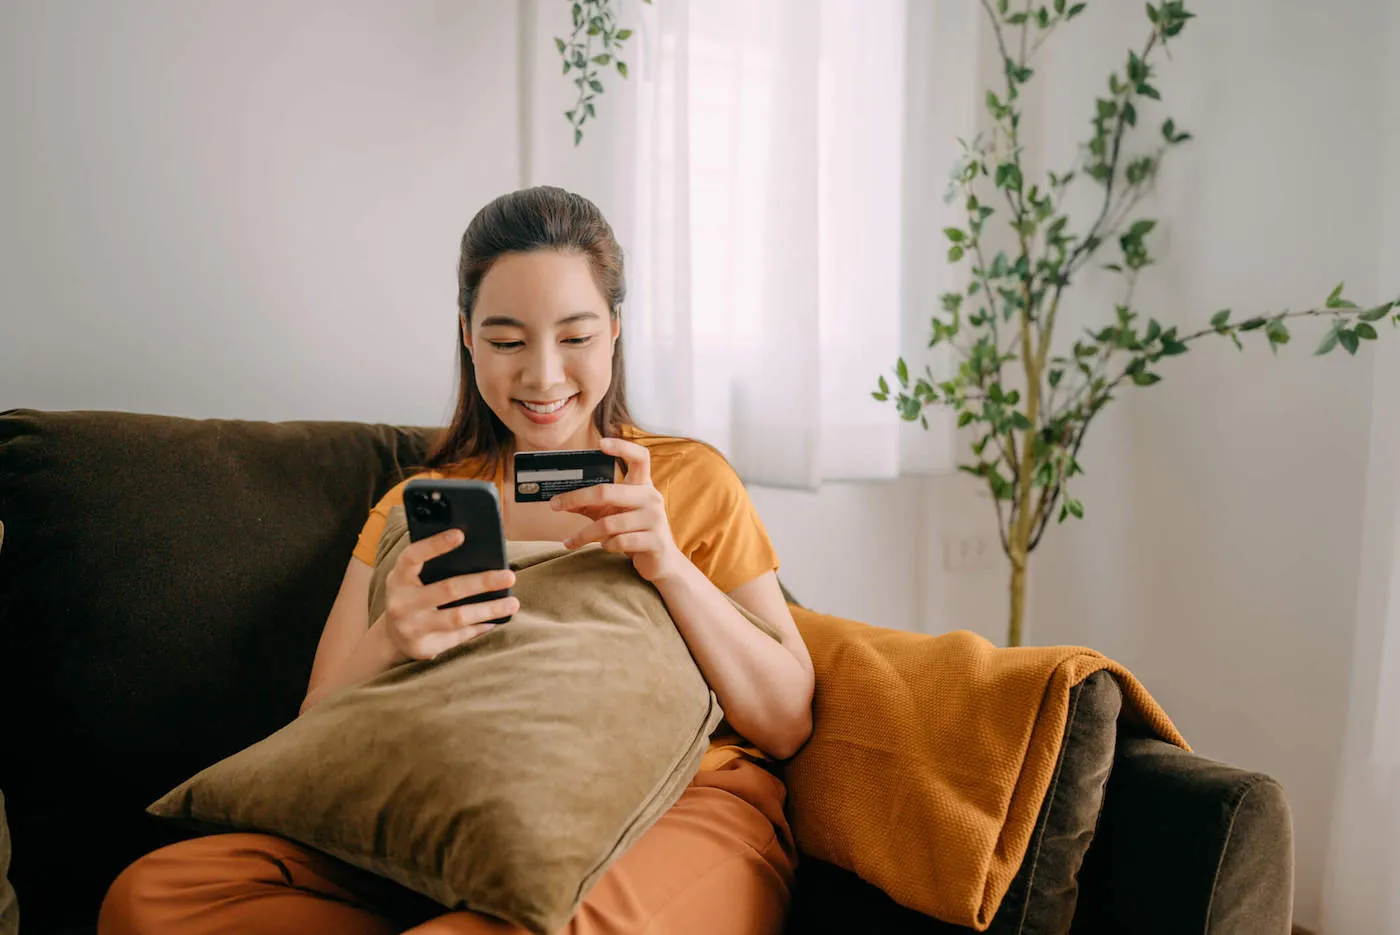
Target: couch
163 582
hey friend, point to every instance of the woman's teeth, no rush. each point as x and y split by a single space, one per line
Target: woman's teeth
545 407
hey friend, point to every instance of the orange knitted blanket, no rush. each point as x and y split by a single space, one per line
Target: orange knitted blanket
931 756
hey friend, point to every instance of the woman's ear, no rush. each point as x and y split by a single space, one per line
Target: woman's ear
616 324
466 333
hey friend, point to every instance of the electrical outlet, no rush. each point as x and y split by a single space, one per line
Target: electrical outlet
969 552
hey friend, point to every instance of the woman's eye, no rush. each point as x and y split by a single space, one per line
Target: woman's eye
579 341
506 345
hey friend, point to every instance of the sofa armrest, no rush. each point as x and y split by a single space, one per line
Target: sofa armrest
1186 844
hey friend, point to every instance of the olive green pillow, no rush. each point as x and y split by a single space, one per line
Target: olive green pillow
507 774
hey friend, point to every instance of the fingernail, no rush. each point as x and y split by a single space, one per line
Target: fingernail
554 504
569 542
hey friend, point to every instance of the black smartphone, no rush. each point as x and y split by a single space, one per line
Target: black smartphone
473 506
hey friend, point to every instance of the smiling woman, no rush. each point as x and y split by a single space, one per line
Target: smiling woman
548 368
540 365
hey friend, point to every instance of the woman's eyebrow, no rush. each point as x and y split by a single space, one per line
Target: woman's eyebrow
505 321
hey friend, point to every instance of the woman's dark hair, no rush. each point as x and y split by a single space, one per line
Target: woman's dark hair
540 218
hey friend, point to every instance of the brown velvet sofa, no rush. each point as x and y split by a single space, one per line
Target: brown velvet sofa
163 583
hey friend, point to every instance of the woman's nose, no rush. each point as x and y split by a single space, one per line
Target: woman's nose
544 368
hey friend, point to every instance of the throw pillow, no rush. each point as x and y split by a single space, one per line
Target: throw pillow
504 776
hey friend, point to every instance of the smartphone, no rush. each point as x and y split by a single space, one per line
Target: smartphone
473 506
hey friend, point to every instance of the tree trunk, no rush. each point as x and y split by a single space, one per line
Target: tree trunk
1018 600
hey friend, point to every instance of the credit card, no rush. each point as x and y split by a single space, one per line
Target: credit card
540 475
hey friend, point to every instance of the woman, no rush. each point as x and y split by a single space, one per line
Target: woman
541 368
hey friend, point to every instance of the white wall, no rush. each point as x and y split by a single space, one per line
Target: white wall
244 209
1219 556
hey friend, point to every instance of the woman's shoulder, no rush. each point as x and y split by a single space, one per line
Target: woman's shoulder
680 459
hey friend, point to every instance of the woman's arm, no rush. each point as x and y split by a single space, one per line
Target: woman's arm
764 686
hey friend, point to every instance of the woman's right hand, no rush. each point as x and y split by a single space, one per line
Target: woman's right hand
412 620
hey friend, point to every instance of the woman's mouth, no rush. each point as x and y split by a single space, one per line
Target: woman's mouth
544 412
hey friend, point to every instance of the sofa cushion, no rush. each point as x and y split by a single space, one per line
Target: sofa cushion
1042 897
163 585
9 907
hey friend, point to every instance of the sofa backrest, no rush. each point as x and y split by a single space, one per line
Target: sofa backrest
163 585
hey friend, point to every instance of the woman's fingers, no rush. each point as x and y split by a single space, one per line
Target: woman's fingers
628 543
637 457
417 554
612 525
601 499
459 586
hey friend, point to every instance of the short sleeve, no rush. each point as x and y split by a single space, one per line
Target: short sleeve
713 521
367 546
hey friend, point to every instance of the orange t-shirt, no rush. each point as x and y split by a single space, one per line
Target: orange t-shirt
712 520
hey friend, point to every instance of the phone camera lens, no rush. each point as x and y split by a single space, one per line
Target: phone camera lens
427 510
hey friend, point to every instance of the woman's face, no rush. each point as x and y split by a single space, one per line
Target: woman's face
541 340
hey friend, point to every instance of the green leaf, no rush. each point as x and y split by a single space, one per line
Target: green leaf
955 253
965 419
1019 421
623 34
1075 10
1173 347
1377 313
1277 333
578 135
1076 508
1335 299
884 387
901 371
1106 108
1365 332
1141 228
1008 176
559 44
596 85
622 68
1328 343
1146 379
1218 320
1055 377
955 235
1253 324
1059 7
1146 90
1130 114
603 59
882 397
1348 340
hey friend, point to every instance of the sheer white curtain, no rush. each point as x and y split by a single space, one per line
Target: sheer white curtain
765 270
1362 888
752 165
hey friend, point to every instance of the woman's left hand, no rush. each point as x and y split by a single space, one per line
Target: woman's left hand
629 517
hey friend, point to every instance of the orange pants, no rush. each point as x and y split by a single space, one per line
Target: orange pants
719 861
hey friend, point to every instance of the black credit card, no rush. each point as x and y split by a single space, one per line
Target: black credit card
540 475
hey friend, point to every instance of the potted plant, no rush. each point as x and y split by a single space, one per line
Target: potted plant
1025 406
